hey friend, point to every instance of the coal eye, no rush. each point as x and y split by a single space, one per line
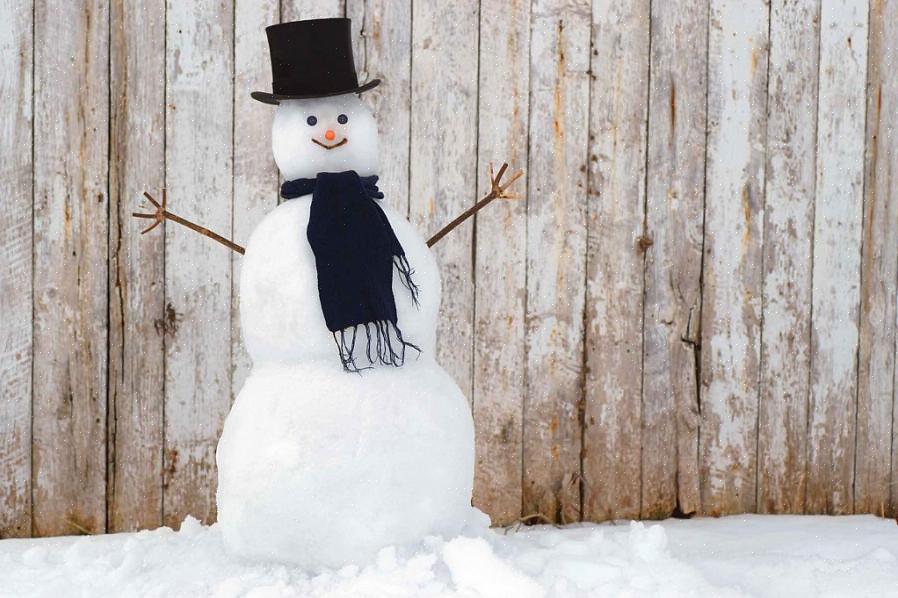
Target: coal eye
312 121
342 119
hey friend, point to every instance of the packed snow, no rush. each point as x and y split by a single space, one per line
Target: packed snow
319 467
751 555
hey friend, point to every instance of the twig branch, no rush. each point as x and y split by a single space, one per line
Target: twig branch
527 519
497 191
162 214
79 528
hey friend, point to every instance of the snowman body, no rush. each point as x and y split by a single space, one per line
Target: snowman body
317 466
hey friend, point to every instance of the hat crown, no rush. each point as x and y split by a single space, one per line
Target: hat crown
311 58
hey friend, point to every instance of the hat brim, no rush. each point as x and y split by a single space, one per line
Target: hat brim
275 98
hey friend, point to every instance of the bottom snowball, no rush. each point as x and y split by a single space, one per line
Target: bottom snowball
322 468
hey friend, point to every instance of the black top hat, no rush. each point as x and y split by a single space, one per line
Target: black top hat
311 59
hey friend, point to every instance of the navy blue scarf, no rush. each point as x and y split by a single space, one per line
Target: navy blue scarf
355 251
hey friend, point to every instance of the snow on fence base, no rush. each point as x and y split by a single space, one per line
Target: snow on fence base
752 555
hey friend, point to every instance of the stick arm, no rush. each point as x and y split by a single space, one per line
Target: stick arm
162 214
497 191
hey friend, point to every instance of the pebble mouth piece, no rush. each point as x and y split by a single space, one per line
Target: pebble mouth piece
330 147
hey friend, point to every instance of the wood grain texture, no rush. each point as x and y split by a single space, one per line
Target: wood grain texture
788 238
732 275
199 174
16 89
575 319
837 240
674 207
382 33
882 187
137 267
71 87
256 188
443 178
294 10
556 256
612 454
500 257
879 270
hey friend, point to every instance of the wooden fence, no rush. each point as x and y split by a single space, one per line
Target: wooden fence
694 310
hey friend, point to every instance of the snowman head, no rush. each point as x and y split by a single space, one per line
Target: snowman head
331 134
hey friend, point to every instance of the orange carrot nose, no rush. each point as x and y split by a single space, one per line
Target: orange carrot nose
329 135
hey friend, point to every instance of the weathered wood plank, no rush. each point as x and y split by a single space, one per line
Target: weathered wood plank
442 181
294 10
612 455
874 473
500 262
382 31
197 272
837 252
556 256
16 89
882 155
255 173
674 208
137 268
71 87
732 275
788 234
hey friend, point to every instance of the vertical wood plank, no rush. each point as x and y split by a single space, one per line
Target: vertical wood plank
556 256
295 10
612 455
71 87
442 181
837 252
674 213
16 47
882 155
788 238
500 262
137 268
255 173
197 271
382 31
732 274
879 268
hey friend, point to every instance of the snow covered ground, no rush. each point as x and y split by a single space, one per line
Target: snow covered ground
733 556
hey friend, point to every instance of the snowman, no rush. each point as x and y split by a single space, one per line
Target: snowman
347 436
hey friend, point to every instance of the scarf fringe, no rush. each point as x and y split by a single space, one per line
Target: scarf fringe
405 276
384 352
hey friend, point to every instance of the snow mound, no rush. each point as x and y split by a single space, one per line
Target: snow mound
734 556
319 468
